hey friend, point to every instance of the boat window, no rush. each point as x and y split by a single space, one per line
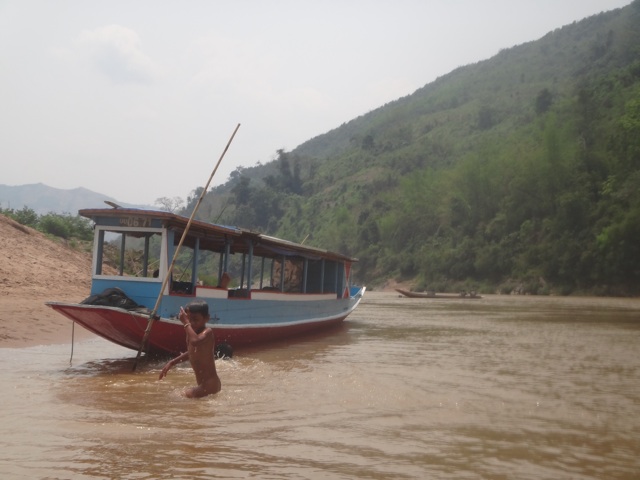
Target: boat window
315 273
183 267
211 266
293 275
330 280
132 254
207 268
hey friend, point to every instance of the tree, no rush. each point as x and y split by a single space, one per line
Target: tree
543 101
242 190
170 204
55 225
26 216
486 117
192 199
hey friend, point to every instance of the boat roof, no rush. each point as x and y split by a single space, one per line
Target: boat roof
213 236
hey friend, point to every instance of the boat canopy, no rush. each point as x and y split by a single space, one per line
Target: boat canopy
210 236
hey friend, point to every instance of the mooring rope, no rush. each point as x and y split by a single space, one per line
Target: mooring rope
73 329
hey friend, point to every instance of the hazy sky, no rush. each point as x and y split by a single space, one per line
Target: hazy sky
136 99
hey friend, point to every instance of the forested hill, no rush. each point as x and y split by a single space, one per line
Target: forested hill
518 172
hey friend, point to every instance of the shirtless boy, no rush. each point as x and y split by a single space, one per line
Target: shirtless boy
200 351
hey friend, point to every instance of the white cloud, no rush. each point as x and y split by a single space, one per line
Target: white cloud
116 52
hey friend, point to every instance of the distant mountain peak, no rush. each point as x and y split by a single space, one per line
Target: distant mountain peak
44 199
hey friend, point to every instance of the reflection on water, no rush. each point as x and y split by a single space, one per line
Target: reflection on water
504 387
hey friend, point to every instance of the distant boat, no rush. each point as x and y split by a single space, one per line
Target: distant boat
461 295
283 288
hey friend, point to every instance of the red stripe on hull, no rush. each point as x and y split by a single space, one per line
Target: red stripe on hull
127 329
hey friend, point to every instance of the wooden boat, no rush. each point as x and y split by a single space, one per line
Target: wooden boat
461 295
282 288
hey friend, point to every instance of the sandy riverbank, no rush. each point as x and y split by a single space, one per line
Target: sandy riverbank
33 270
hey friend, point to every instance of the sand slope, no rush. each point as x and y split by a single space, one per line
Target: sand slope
33 270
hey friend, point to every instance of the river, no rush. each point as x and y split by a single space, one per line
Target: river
503 387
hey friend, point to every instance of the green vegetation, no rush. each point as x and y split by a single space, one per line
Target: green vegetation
66 227
521 173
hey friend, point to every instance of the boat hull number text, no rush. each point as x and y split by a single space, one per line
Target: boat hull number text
135 222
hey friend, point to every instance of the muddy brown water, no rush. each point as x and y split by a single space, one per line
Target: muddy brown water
502 387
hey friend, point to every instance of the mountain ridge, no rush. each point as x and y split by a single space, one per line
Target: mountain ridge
44 199
469 178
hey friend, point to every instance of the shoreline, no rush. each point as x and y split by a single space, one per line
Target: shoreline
29 322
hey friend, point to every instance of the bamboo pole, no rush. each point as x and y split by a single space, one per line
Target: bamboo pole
154 314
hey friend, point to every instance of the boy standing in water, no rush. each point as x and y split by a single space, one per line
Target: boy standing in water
200 351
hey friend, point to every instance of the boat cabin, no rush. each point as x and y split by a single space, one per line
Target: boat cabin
134 249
